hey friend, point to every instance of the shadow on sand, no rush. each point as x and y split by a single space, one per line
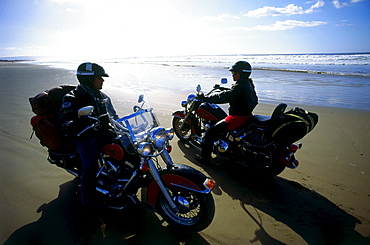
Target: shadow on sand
309 214
61 218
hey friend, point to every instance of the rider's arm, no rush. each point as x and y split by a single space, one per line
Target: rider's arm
220 98
67 113
110 109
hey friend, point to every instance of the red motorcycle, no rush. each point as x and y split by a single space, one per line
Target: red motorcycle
264 144
138 160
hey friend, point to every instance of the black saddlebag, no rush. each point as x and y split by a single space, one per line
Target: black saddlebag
292 125
67 159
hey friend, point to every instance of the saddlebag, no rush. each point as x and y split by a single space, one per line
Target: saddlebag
292 125
46 131
66 159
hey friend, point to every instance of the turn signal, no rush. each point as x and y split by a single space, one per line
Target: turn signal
144 167
169 148
209 183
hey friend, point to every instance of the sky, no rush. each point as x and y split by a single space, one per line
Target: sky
127 28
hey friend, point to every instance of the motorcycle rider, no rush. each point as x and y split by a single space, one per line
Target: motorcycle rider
242 99
87 93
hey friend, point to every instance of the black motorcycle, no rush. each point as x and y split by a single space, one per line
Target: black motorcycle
264 144
139 159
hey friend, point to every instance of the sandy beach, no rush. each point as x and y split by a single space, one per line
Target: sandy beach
326 200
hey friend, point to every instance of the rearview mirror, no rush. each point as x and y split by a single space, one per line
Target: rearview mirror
85 111
223 80
199 88
141 98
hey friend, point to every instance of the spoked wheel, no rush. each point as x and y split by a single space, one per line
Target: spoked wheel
195 211
183 134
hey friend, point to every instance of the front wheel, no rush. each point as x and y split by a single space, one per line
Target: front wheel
184 133
195 211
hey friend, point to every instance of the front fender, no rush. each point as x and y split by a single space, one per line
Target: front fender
180 114
181 176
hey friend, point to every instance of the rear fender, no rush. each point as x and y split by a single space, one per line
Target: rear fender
181 176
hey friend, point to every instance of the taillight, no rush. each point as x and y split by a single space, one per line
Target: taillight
293 148
294 164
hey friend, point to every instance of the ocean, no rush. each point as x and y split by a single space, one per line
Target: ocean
338 80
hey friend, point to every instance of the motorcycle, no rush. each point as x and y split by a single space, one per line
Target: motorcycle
139 160
264 144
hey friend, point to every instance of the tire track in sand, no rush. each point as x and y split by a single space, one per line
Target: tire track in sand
22 142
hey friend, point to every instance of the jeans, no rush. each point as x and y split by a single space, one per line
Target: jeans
89 152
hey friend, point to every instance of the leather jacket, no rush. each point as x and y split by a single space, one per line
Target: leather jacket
242 98
80 97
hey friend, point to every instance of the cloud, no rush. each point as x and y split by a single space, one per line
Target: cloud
290 9
283 25
344 23
70 10
220 17
338 4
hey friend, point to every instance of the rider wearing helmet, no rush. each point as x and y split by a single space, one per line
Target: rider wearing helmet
242 99
87 93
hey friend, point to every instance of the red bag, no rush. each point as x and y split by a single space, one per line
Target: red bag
46 106
46 131
50 101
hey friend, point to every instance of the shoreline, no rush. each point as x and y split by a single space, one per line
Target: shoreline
273 87
330 188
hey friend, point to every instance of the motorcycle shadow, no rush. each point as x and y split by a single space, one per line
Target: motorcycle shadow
312 216
60 223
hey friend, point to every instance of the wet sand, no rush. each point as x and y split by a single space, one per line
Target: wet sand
326 200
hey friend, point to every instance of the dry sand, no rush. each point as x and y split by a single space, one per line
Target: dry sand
326 200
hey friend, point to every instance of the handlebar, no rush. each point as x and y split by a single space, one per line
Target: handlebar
95 125
215 88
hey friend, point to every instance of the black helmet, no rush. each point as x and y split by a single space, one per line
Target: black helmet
91 69
86 72
242 67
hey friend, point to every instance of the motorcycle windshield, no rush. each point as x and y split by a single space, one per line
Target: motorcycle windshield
134 118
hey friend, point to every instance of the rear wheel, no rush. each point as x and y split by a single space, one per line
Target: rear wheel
272 169
195 211
269 171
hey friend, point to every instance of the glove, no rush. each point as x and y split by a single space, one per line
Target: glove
69 128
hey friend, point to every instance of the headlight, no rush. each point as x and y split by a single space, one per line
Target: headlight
144 149
191 97
184 103
158 137
170 133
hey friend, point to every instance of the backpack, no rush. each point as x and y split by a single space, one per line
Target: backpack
49 101
46 106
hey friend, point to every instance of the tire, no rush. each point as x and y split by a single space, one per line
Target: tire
196 215
185 133
274 169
